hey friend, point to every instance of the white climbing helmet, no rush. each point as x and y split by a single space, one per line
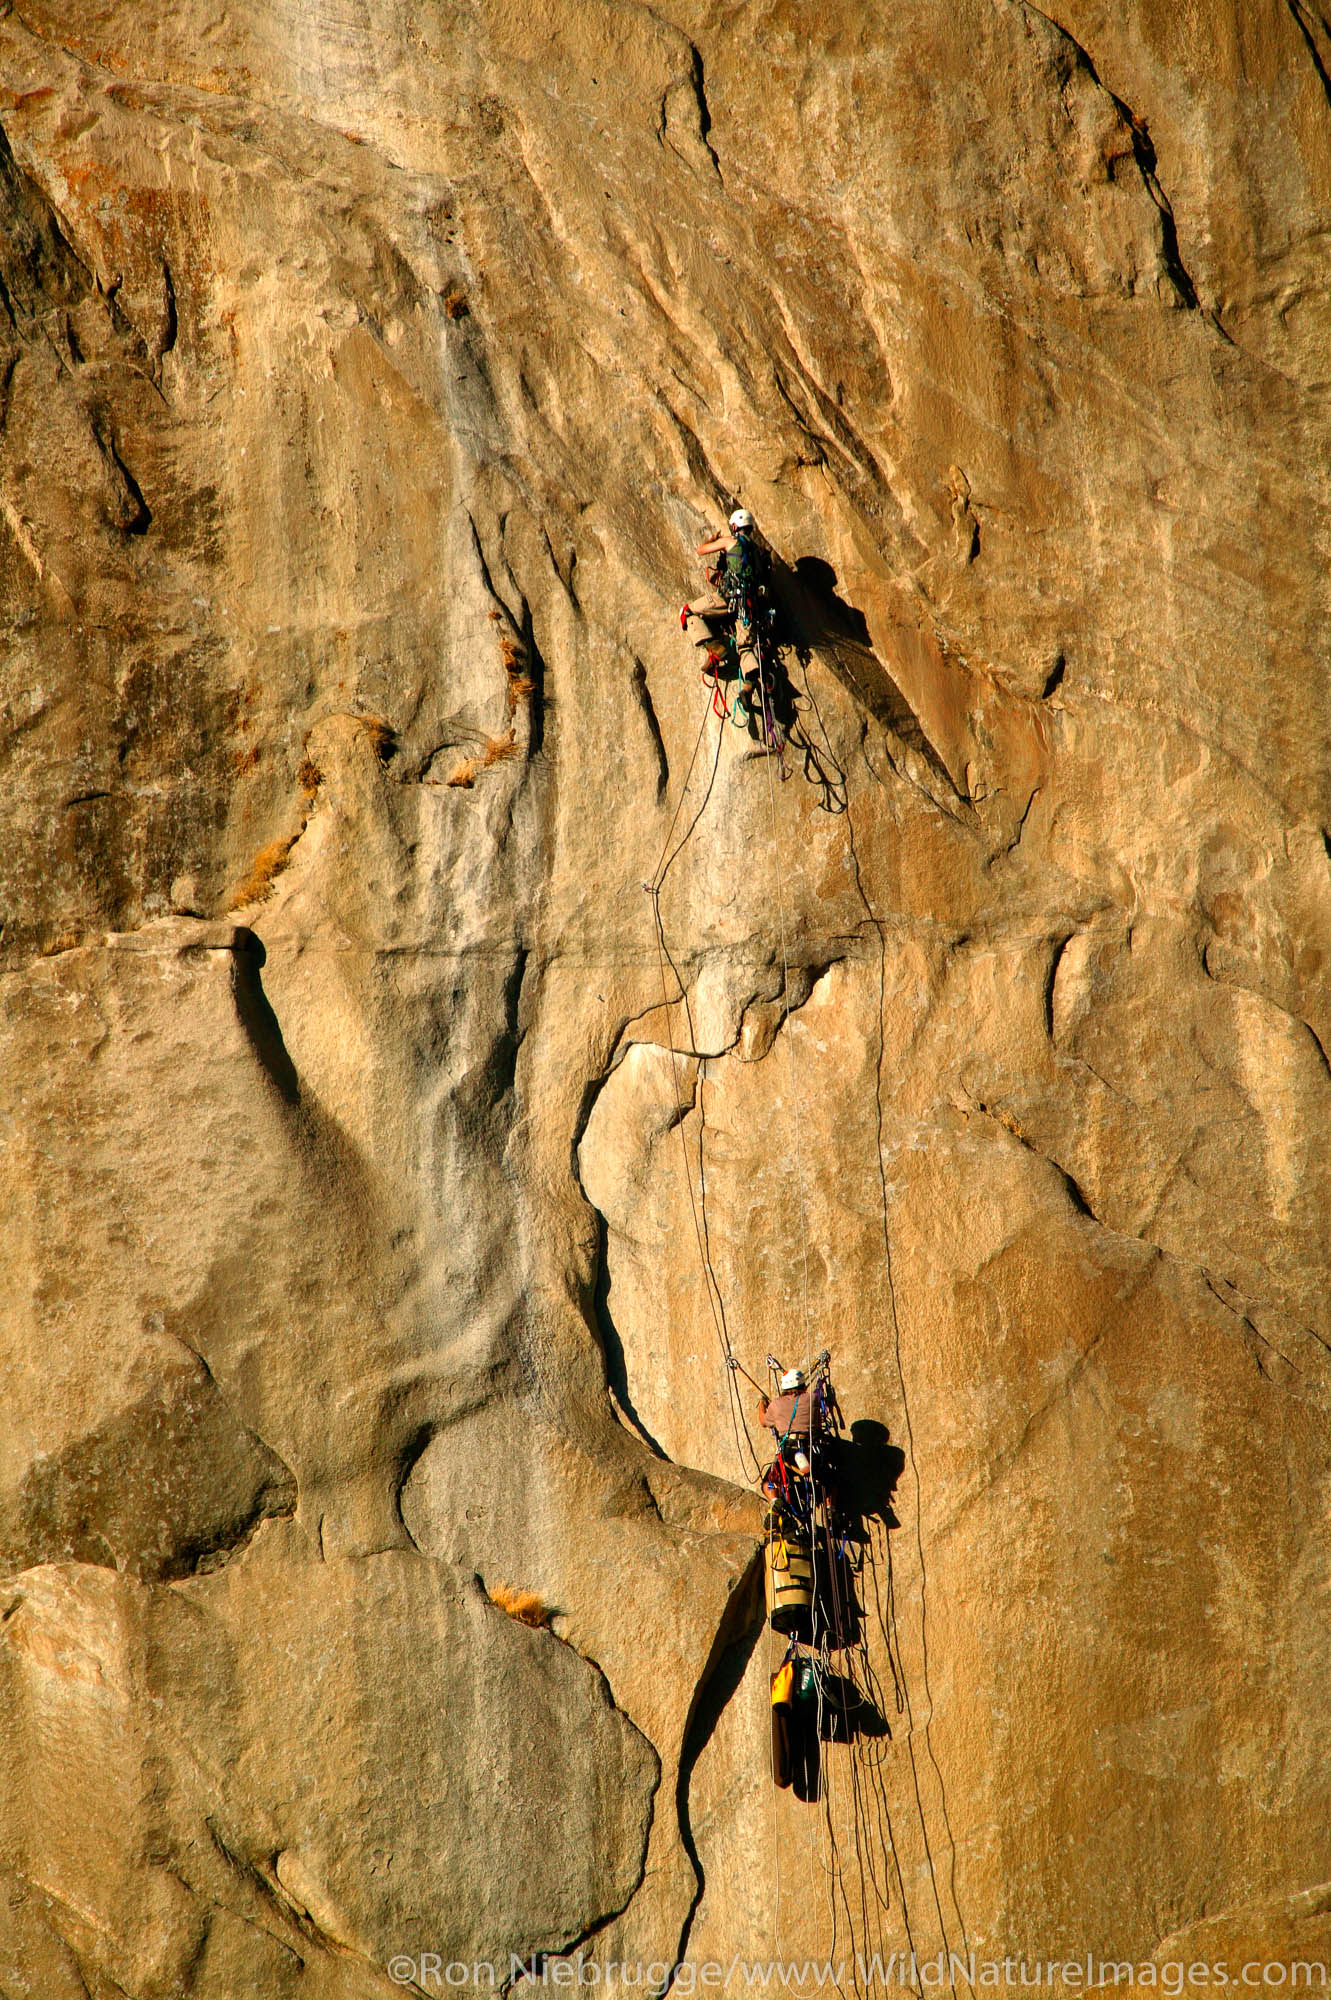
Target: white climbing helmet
792 1379
741 518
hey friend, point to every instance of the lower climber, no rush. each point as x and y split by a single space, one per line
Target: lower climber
795 1418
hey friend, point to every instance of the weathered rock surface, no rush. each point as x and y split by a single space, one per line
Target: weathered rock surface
249 1743
367 377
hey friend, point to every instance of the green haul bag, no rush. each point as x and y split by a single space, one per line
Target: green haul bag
789 1585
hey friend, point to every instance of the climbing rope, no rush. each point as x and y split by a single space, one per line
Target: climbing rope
886 1612
789 1018
831 1868
890 1632
697 1200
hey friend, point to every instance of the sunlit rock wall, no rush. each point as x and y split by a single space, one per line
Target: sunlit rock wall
367 377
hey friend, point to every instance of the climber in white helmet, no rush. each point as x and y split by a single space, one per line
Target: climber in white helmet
793 1419
731 579
790 1412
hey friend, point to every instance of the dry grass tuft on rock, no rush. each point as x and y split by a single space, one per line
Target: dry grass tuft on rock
269 862
382 735
524 1605
495 750
519 682
266 866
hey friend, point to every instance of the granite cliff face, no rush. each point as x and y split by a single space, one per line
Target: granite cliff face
367 376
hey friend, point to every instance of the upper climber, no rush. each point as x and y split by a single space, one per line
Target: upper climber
745 562
734 580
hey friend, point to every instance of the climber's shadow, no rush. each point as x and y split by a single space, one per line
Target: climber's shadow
862 1471
823 614
866 1467
813 614
846 1714
810 612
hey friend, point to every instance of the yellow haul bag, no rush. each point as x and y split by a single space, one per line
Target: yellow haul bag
789 1583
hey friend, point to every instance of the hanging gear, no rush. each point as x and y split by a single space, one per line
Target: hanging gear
790 1584
796 1757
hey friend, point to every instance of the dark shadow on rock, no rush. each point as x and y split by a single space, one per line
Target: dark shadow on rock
875 1466
816 618
742 1626
819 579
864 1468
612 1347
741 1629
257 1017
846 1713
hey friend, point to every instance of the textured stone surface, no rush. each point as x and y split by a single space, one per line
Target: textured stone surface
367 376
265 1732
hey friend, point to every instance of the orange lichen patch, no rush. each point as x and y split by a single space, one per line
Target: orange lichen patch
266 866
219 82
309 777
524 1605
455 303
245 760
465 773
